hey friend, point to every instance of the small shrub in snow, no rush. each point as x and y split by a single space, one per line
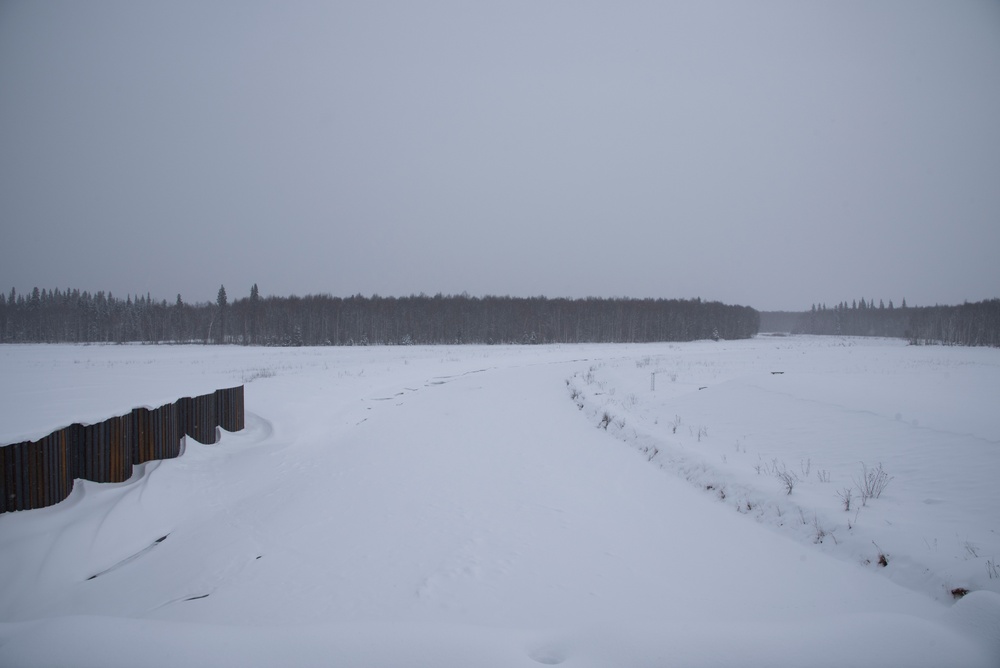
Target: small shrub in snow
883 558
845 497
787 478
991 569
823 475
820 533
720 490
872 483
250 375
676 422
605 421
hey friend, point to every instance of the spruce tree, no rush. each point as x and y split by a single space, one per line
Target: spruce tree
221 302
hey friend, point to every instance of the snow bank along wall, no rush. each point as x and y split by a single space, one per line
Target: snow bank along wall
35 474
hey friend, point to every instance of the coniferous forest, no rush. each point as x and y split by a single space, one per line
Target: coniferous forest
72 316
968 324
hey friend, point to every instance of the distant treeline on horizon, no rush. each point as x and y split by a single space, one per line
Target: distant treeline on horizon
72 316
968 324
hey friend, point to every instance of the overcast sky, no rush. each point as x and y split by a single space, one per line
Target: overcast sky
772 154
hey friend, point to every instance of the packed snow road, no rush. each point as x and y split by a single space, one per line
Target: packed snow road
422 507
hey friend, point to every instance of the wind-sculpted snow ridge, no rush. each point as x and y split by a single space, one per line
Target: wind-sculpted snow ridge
36 474
794 442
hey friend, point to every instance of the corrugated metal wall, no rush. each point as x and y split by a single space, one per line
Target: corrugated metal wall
35 474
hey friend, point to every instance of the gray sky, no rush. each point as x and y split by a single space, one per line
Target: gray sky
773 154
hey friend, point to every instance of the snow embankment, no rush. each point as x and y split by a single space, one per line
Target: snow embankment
789 431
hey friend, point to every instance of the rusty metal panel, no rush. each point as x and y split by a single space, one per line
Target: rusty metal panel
47 467
51 464
141 441
53 456
107 451
166 437
21 473
211 417
42 473
34 488
155 435
237 414
186 418
202 428
97 443
121 449
229 406
24 500
181 409
8 500
6 479
67 462
3 479
73 456
102 446
86 466
29 477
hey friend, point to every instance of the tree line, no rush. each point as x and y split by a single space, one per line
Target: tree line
968 324
74 316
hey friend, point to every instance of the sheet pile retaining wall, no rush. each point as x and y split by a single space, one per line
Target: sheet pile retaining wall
36 474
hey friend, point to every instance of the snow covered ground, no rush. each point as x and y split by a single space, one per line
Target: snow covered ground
518 506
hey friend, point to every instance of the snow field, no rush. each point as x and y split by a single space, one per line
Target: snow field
818 410
454 506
